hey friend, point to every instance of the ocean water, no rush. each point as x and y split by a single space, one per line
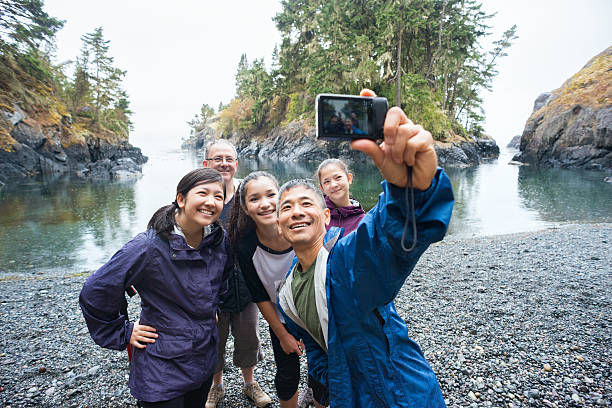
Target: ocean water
68 225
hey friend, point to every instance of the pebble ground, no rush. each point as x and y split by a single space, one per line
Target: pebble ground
519 320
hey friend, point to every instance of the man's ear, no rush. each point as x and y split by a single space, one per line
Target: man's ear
205 163
327 215
349 177
280 232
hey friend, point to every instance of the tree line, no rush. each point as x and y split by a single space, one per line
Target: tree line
426 56
90 87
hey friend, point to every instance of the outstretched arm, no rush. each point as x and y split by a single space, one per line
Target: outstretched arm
377 264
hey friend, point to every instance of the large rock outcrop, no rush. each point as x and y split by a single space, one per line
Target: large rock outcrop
38 145
297 141
572 126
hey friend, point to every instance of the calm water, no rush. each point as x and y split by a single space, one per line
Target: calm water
69 226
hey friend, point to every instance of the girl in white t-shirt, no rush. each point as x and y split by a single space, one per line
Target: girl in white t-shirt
265 257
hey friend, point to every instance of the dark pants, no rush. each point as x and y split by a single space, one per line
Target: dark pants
320 392
192 399
287 376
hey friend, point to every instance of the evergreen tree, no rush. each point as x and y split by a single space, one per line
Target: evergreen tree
105 79
24 24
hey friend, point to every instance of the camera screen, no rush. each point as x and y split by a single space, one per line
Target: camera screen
345 116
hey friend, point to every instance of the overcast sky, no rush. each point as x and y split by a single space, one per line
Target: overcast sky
179 55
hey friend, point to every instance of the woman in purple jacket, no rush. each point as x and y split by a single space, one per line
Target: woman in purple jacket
178 267
335 179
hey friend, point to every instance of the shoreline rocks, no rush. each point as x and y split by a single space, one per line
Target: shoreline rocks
297 141
517 320
44 151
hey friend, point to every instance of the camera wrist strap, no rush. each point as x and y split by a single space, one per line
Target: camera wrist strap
411 213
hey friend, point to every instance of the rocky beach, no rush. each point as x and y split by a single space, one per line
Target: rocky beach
518 320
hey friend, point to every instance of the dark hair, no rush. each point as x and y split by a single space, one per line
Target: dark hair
307 184
163 220
240 223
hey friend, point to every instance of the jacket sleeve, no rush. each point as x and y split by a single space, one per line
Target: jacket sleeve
315 355
102 298
371 262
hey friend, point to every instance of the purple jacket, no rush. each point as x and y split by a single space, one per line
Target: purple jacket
180 289
345 217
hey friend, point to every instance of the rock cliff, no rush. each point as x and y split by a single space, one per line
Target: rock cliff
39 143
572 126
297 141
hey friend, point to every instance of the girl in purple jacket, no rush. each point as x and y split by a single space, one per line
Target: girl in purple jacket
335 179
178 267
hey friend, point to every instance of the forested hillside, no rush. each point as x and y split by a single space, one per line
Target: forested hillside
69 114
426 56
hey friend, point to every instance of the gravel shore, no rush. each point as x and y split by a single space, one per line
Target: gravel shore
505 321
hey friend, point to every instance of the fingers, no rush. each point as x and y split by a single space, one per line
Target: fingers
142 334
395 119
417 140
367 92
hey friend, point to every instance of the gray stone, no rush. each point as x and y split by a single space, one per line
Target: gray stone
16 116
93 370
533 393
566 135
541 100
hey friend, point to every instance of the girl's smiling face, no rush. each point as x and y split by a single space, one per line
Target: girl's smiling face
202 205
260 200
335 183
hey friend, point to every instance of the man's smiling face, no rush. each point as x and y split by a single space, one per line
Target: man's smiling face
301 218
222 158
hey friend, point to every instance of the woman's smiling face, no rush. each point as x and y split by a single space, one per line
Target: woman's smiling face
260 200
202 205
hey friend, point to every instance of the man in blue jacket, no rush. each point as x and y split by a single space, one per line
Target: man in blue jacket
338 298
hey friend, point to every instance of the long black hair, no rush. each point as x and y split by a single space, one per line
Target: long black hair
240 223
163 221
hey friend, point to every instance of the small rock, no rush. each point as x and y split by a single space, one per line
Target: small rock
580 358
50 391
533 393
575 397
472 396
547 368
93 370
42 369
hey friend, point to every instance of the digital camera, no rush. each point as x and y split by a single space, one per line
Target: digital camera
348 117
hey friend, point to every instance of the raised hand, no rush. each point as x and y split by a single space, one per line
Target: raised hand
405 144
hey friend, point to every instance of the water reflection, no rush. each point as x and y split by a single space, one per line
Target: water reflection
59 224
565 195
74 225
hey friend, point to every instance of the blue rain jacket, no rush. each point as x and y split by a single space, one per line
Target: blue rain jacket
371 360
180 289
